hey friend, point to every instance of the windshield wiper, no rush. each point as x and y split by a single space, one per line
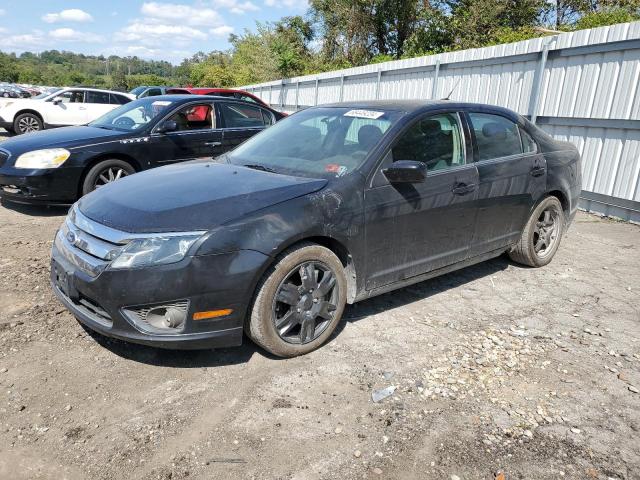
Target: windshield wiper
260 167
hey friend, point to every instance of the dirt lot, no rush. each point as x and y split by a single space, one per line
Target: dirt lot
497 367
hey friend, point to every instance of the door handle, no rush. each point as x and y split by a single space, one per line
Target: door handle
537 171
463 188
213 144
82 108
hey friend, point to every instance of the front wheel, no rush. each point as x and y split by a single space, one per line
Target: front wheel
299 301
27 123
541 236
104 172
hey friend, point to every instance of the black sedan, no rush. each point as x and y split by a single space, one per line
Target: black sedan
60 165
332 205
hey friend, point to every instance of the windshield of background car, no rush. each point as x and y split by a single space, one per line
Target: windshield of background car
134 115
318 142
47 93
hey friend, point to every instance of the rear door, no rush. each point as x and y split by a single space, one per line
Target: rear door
197 135
416 228
241 121
512 176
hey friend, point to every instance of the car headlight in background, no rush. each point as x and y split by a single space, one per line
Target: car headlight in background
154 251
49 158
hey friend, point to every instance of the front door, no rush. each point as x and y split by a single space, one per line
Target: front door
416 228
68 108
512 176
197 136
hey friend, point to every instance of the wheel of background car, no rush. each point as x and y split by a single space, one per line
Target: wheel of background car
125 122
27 123
299 301
541 236
107 171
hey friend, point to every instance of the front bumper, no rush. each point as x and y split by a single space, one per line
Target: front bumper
5 124
58 186
206 282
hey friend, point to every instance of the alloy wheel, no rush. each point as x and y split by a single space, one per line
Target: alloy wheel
305 303
109 175
545 233
28 125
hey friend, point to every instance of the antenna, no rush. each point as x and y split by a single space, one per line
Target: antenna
452 90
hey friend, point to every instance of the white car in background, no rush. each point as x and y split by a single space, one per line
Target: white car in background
63 107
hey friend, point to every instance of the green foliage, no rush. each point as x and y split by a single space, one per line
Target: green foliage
607 17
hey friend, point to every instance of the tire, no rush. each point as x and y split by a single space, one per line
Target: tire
27 123
104 172
303 332
541 236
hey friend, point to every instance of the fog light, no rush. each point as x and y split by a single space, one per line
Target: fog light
159 319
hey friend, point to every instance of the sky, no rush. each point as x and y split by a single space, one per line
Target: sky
156 30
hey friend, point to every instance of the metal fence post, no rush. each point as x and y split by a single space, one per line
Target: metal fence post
534 103
341 86
297 93
434 85
315 101
283 95
378 83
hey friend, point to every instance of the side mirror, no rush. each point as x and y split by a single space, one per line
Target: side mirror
167 126
57 101
406 171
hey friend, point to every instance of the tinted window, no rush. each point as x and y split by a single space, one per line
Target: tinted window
119 99
154 92
495 135
97 97
435 140
528 143
267 118
241 116
194 117
71 96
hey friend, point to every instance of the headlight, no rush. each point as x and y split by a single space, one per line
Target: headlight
50 158
154 251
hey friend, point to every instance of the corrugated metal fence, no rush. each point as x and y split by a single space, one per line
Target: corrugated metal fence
580 86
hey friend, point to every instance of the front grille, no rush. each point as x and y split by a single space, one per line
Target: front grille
79 243
89 308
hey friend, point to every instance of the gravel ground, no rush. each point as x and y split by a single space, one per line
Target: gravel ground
494 368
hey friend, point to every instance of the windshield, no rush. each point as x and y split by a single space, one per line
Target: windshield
318 142
46 93
137 91
134 115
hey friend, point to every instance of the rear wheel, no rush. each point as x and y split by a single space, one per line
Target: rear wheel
27 123
541 236
105 172
299 301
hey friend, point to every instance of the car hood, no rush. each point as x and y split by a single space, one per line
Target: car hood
66 137
192 196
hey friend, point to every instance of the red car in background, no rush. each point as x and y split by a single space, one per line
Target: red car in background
220 92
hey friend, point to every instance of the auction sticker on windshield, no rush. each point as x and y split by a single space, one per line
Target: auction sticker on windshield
364 114
161 103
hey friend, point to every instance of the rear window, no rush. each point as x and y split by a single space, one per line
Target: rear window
236 115
496 136
119 99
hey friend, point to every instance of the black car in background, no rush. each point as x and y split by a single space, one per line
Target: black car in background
59 166
332 205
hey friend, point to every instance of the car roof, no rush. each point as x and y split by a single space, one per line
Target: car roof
413 106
